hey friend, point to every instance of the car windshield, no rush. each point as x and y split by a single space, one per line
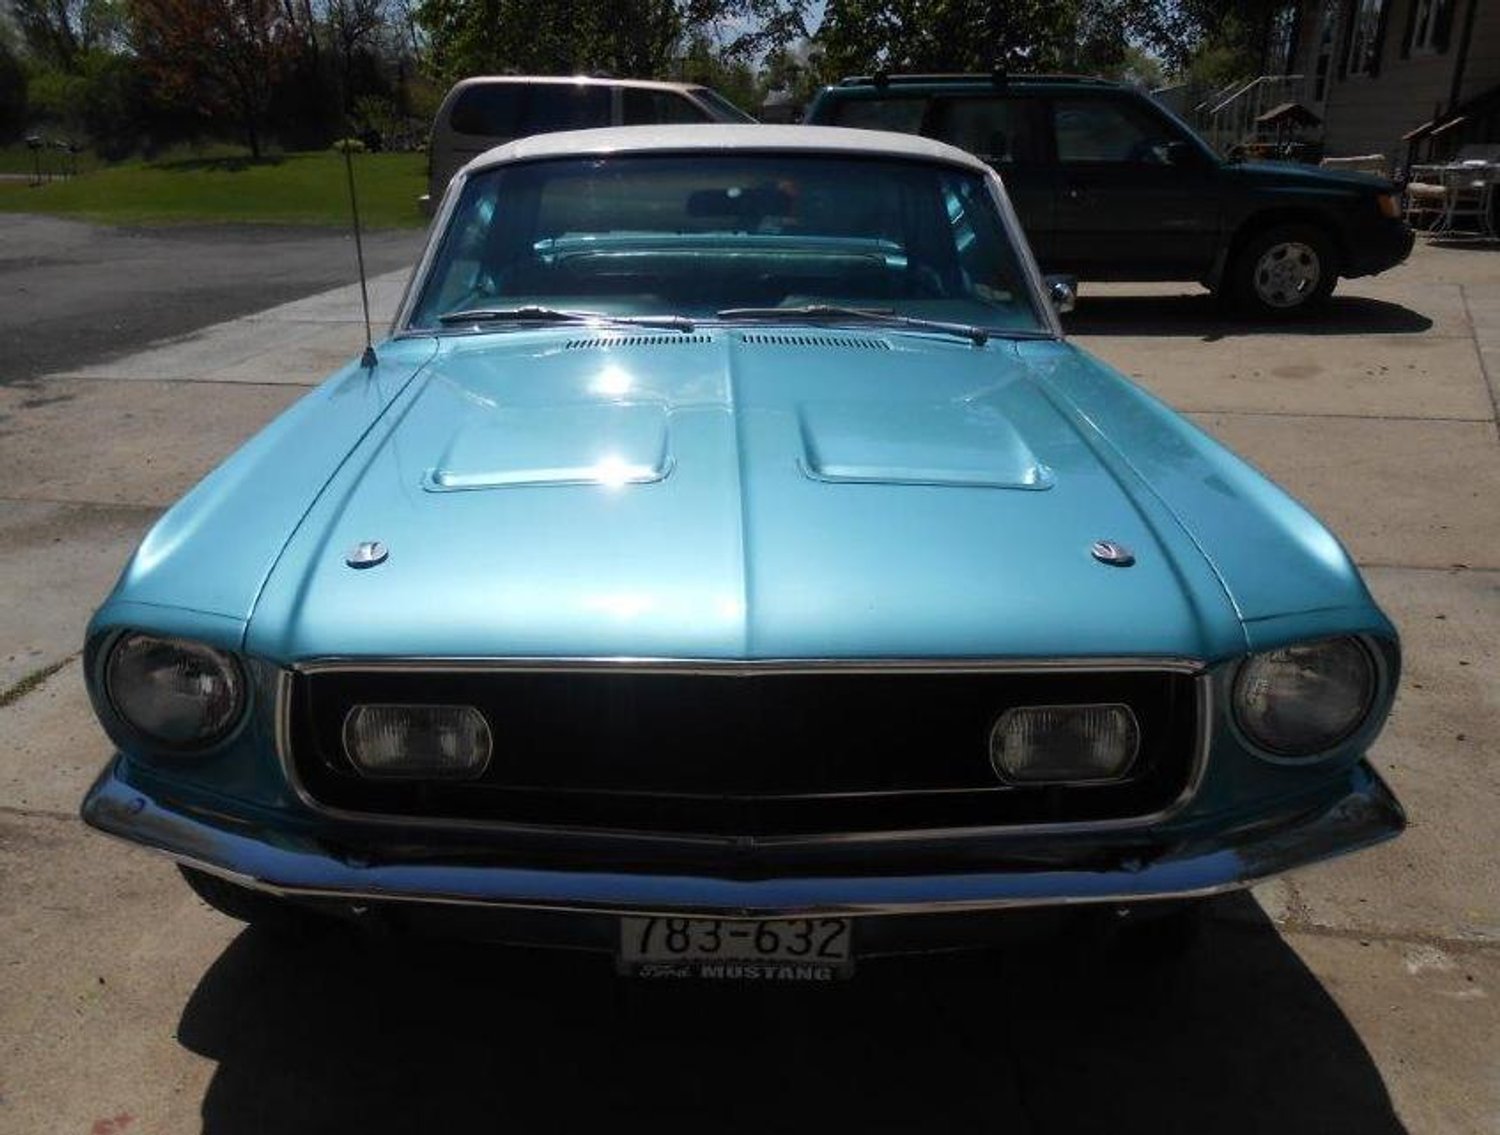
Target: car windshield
751 236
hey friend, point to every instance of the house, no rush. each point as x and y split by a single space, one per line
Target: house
1403 78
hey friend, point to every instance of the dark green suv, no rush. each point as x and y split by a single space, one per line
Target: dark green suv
1111 186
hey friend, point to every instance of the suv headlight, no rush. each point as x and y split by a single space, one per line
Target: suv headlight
1302 700
176 693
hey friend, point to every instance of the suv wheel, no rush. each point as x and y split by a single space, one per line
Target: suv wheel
1283 271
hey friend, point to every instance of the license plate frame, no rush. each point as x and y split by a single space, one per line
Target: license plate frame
736 949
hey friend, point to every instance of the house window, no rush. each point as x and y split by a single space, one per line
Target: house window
1281 44
1429 33
1364 37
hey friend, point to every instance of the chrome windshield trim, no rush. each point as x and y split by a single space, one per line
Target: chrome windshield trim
1203 689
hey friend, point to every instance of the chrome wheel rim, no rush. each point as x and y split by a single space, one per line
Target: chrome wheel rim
1287 274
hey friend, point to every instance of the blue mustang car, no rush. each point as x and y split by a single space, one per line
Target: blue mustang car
726 563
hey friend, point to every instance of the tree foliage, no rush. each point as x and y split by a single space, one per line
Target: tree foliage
549 37
12 94
968 35
224 57
60 33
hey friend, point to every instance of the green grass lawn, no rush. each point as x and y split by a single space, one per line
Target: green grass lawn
293 189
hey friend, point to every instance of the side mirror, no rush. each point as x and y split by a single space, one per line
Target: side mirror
1063 292
1183 154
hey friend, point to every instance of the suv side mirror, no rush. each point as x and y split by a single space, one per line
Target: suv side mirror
1183 155
1063 292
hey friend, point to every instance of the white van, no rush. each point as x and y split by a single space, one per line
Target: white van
490 110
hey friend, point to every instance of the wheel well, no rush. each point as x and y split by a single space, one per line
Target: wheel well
1259 222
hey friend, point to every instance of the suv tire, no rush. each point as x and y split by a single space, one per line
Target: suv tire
1283 271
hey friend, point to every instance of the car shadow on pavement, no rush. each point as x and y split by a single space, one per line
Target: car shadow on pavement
403 1035
1202 315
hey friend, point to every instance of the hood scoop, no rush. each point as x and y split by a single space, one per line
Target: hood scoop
609 444
781 339
597 342
963 444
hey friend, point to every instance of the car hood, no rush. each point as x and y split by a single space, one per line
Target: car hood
769 494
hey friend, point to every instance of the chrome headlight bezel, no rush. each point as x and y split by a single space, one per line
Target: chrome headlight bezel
222 664
1373 695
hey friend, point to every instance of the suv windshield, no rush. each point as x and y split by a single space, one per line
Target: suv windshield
700 234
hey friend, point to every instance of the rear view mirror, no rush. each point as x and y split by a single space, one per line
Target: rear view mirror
752 201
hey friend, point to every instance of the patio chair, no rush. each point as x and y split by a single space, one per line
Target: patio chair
1469 202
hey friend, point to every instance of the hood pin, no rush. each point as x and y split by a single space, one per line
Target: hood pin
1111 553
366 554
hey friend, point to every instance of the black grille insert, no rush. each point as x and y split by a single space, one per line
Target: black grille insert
745 753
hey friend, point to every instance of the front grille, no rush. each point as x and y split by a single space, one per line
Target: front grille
744 753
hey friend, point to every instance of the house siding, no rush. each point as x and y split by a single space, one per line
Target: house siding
1482 72
1368 114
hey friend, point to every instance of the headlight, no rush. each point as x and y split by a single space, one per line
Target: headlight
1064 744
451 741
180 694
1303 700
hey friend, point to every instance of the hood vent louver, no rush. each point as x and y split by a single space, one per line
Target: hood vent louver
781 339
633 341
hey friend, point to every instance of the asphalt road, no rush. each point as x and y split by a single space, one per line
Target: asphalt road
73 294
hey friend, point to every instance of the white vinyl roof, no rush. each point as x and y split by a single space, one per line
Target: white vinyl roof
724 138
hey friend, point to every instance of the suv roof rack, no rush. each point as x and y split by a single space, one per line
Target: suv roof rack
998 77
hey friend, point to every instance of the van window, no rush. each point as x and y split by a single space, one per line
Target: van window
511 110
999 130
649 108
559 106
491 109
904 116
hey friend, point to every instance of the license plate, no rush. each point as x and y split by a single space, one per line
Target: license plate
725 949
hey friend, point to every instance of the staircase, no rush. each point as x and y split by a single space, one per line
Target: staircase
1227 116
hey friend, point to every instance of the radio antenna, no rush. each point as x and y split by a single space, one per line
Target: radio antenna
368 359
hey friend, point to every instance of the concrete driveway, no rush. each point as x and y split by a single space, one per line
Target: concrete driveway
1360 997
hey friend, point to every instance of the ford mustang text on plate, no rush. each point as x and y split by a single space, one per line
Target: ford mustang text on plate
727 564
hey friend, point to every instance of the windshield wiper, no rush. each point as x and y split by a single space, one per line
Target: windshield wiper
976 335
531 313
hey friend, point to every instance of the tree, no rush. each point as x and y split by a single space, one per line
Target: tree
549 37
222 57
627 38
12 94
956 35
59 33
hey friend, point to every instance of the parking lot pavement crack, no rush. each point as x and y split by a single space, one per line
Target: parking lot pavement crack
33 681
1243 413
39 814
1364 935
1491 380
1446 569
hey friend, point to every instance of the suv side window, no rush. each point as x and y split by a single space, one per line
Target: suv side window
902 115
1099 130
649 108
999 130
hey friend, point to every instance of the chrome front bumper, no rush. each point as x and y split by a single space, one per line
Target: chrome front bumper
1357 813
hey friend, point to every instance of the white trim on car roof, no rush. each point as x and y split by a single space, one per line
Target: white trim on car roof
723 137
577 81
